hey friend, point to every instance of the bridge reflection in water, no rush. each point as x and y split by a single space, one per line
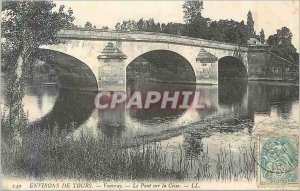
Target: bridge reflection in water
232 108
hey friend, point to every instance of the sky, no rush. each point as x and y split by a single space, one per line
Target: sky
269 15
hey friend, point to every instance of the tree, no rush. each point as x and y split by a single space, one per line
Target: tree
197 28
191 10
26 25
196 25
133 26
140 25
243 35
262 36
129 25
88 25
151 25
157 28
29 24
163 26
124 26
172 28
281 43
118 27
250 25
228 31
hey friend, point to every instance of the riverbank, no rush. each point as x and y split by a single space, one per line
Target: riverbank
208 83
88 158
274 81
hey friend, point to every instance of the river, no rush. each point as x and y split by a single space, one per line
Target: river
235 112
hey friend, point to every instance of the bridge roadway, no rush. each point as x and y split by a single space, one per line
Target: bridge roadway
139 36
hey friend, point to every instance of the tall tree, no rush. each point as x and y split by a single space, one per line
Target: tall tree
242 30
262 36
26 25
191 10
250 25
281 43
29 24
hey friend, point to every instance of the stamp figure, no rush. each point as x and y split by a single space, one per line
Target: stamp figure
277 161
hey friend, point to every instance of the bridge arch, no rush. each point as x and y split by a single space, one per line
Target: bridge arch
72 73
159 70
230 67
162 65
72 107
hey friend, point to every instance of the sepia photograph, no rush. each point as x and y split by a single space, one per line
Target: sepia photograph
150 95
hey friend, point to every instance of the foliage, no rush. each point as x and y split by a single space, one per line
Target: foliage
262 36
250 25
197 26
130 25
88 25
229 31
192 10
222 30
281 44
172 28
29 24
141 25
25 26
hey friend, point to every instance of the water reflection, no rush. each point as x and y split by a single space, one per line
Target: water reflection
112 122
155 114
192 143
232 92
70 110
231 108
39 101
264 96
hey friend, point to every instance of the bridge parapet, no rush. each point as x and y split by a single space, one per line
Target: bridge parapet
98 49
97 34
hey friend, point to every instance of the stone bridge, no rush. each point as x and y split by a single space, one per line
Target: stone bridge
97 58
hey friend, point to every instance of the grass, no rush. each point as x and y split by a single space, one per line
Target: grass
51 155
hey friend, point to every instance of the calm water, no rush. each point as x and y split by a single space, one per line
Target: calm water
235 112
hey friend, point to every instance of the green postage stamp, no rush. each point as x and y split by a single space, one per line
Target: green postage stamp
277 161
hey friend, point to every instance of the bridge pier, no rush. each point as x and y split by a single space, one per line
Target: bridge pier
112 69
112 77
206 68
